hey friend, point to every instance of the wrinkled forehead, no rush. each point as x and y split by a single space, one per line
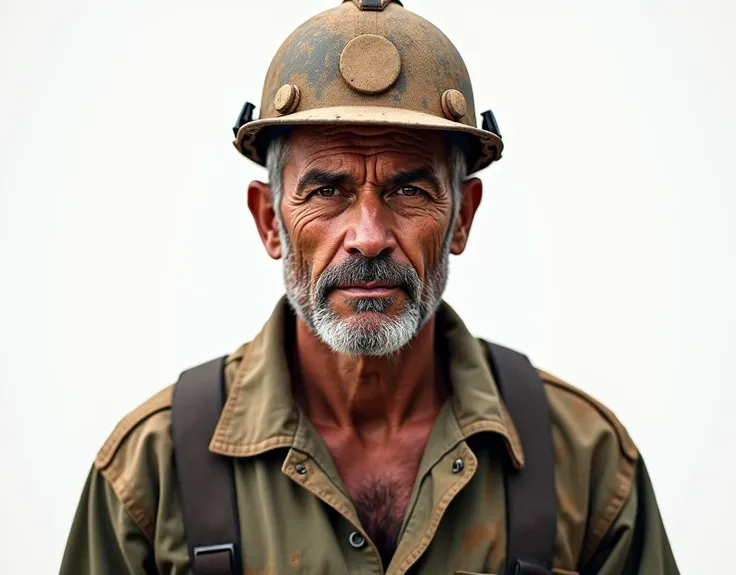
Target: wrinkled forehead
387 148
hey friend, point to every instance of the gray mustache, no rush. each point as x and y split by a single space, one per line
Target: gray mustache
360 269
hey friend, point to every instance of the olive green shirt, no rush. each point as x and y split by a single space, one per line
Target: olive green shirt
129 518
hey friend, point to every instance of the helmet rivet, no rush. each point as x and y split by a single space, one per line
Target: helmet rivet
370 64
454 105
287 99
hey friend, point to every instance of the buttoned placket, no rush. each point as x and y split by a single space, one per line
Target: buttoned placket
361 555
448 476
450 465
455 469
310 468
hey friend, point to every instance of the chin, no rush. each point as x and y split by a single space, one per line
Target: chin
367 321
368 333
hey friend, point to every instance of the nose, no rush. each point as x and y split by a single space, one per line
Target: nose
369 232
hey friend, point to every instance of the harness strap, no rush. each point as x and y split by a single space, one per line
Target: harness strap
206 482
531 499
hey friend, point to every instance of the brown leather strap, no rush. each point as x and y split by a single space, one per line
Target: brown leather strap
531 499
206 484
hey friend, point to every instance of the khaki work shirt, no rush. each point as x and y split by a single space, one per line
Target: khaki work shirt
129 518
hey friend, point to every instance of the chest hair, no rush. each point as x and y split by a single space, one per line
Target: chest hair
381 504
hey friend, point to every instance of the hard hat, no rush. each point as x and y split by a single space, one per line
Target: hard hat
369 62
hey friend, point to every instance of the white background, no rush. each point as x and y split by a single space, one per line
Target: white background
603 247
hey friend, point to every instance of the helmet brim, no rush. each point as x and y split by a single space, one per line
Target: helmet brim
482 147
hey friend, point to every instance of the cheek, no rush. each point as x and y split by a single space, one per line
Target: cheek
313 240
421 240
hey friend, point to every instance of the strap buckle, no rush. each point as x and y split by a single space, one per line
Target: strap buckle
527 568
215 559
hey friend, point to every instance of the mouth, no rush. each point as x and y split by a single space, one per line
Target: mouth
370 289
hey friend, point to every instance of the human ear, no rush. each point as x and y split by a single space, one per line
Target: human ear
264 214
472 192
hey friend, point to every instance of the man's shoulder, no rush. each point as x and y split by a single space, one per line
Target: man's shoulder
151 418
137 457
595 462
583 418
148 426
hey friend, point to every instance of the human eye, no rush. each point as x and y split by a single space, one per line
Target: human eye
327 192
409 191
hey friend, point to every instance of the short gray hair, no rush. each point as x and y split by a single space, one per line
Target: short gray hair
278 155
276 158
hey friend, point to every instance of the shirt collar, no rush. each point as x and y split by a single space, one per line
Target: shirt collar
260 414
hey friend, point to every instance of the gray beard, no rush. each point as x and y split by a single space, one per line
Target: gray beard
358 334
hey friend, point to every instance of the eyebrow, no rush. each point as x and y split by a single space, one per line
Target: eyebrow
406 177
323 178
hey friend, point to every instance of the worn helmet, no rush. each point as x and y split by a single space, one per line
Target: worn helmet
369 62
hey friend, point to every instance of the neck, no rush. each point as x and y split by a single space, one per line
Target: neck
369 395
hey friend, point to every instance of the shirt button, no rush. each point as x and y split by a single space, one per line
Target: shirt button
457 466
356 540
301 469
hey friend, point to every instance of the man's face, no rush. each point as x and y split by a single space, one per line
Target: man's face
365 229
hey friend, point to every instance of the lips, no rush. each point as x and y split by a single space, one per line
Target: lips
367 286
371 289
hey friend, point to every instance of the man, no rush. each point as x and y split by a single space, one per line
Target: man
365 424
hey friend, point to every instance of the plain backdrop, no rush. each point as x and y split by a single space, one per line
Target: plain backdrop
603 247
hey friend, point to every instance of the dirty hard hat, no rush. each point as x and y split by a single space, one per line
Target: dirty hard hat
369 62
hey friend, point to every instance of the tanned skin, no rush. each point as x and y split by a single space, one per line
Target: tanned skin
339 198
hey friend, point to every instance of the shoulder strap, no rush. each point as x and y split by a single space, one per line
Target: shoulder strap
531 499
206 482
